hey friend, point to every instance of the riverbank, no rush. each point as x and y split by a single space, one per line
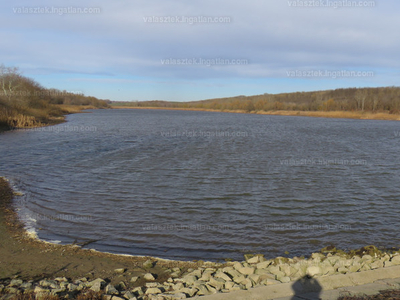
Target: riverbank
65 109
29 265
318 114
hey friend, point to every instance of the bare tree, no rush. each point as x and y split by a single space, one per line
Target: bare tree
9 80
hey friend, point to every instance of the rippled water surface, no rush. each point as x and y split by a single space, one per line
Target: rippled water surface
202 185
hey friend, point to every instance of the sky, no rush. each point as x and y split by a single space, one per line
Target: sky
136 50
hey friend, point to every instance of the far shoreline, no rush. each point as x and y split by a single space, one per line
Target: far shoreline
296 113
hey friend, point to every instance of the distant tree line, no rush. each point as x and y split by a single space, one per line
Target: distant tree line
383 99
25 103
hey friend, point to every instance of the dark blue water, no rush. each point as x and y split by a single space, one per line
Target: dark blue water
202 185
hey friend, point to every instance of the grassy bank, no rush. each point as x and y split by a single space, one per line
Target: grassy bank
320 114
24 103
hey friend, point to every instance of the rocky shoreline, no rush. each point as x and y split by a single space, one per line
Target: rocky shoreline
209 278
69 272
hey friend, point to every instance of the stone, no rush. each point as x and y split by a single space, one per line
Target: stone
111 290
134 279
129 295
211 289
203 290
246 270
138 291
149 276
223 276
178 286
15 282
284 279
148 264
231 272
189 280
377 264
239 279
255 278
272 282
151 284
395 260
253 260
120 271
98 280
117 298
49 283
313 271
176 274
153 291
264 264
343 270
388 264
189 291
247 283
217 283
196 273
72 287
26 286
177 296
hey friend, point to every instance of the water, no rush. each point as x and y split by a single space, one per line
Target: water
201 185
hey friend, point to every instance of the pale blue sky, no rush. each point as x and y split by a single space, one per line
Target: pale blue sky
117 53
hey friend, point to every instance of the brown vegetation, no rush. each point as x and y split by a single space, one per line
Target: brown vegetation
359 103
25 103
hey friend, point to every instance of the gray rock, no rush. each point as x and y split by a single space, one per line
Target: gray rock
203 290
264 264
96 285
284 279
149 276
27 286
377 264
120 271
178 286
211 289
239 279
49 284
313 271
223 276
129 295
343 270
153 291
72 287
138 291
246 270
189 291
151 284
217 283
148 264
231 272
395 260
189 280
176 274
117 298
15 283
111 290
255 278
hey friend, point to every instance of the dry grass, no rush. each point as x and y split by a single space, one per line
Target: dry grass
320 114
384 295
73 109
336 114
85 295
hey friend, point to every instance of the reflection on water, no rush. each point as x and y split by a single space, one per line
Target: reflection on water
202 185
